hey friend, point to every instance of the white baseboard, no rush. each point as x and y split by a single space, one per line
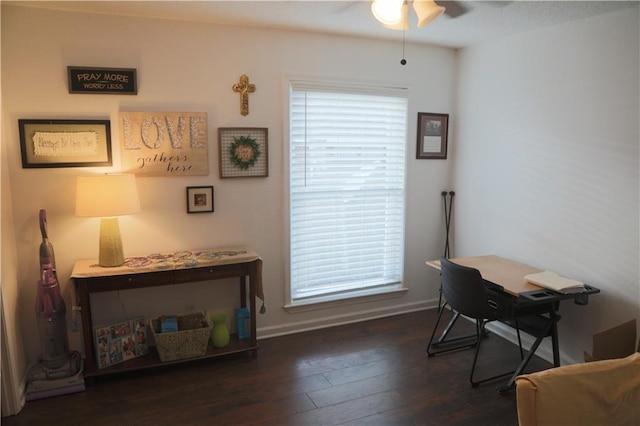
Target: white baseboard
13 396
545 350
332 321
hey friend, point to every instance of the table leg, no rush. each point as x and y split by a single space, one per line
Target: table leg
243 291
84 302
512 381
253 280
554 337
551 329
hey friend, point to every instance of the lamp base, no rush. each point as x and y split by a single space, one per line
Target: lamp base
111 252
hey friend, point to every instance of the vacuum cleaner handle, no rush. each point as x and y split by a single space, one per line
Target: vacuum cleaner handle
43 223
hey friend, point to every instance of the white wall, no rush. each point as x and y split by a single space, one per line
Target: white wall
13 358
191 67
546 161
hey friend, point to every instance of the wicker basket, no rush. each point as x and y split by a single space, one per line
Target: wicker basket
189 341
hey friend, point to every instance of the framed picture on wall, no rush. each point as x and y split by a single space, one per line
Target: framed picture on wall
65 143
199 199
433 130
244 152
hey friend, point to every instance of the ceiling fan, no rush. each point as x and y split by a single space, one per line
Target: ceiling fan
394 14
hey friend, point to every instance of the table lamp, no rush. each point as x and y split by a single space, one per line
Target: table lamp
108 196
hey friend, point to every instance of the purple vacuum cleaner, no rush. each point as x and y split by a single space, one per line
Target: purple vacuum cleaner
58 372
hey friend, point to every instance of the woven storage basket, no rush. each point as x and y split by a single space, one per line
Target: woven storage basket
189 341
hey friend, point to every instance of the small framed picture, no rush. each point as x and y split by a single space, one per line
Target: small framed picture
65 143
199 199
432 135
244 152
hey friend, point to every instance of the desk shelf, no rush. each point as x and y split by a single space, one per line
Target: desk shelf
152 359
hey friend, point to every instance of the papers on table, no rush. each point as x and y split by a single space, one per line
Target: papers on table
555 282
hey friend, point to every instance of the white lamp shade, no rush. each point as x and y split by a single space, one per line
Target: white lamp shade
106 195
427 11
388 12
403 24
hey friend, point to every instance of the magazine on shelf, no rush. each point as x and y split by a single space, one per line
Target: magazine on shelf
120 342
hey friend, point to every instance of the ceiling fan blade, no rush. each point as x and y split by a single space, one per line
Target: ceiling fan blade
453 9
343 6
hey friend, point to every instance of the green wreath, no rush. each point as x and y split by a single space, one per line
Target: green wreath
244 152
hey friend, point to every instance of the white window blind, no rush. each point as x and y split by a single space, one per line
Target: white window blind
347 189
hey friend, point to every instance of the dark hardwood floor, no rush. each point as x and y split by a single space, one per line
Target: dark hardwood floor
369 373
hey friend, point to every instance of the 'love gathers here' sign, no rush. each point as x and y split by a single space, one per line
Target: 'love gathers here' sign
102 80
164 143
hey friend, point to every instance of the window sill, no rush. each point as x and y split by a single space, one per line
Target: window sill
326 302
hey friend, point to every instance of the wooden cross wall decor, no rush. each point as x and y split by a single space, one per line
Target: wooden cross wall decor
244 88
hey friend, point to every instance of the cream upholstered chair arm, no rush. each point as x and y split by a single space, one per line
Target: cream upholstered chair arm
595 393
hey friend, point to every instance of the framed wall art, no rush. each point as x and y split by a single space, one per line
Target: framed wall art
65 143
243 152
433 130
164 143
108 81
199 199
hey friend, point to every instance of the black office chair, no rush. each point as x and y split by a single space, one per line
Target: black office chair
464 290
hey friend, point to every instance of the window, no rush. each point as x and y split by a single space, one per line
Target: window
346 190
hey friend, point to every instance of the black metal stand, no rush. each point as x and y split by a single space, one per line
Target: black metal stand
447 227
447 219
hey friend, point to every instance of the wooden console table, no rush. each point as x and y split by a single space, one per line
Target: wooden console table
166 269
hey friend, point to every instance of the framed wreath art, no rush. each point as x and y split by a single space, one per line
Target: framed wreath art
243 152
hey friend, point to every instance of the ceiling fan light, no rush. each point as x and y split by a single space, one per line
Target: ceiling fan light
403 24
388 12
427 11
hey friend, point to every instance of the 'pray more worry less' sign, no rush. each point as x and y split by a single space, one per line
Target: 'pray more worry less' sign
102 80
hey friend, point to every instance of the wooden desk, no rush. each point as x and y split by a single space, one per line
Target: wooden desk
166 269
508 276
505 273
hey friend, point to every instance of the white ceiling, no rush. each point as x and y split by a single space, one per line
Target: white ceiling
483 21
